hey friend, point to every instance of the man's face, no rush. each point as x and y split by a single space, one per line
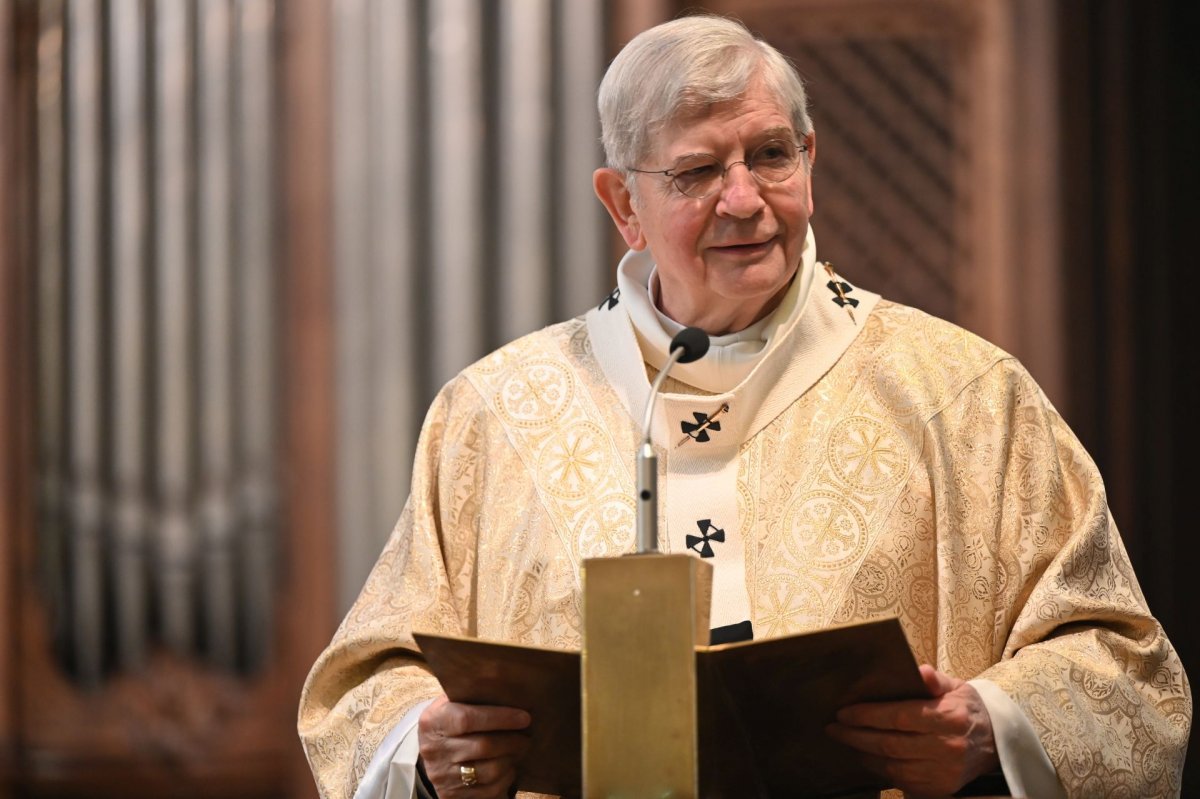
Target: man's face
724 261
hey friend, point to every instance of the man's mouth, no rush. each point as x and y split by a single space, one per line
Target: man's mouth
745 248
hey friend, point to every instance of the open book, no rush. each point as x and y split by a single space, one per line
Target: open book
763 705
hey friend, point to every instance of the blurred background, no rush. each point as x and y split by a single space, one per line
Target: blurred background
243 242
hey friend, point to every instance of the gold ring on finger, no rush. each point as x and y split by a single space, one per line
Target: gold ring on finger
468 775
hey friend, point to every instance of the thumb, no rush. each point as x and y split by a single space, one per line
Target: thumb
936 682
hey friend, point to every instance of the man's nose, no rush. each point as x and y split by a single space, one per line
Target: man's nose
741 193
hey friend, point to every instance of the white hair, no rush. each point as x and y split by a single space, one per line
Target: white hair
678 69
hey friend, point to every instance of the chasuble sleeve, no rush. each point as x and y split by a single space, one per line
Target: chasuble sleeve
1026 531
370 676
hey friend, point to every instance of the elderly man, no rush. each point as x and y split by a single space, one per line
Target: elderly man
859 458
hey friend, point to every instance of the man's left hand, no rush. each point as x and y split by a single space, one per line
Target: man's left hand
928 747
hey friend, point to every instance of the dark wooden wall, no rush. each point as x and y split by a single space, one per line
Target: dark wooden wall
11 487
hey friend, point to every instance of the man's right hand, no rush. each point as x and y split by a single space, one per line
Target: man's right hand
486 738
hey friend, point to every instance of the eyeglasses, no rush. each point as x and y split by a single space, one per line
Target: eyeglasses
698 175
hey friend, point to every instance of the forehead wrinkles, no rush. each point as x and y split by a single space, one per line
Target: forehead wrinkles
720 124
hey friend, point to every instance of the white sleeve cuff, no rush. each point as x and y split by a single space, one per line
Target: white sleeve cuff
1026 766
392 772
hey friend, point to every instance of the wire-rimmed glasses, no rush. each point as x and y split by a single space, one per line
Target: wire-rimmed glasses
697 175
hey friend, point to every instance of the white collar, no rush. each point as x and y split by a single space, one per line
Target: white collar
810 339
730 357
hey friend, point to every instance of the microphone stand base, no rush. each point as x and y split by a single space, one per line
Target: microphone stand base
643 616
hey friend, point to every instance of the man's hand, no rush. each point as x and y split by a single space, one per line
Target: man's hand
928 747
486 738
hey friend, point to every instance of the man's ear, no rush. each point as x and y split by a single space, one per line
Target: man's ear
611 189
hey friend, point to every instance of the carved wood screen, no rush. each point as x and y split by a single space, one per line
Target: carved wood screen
888 150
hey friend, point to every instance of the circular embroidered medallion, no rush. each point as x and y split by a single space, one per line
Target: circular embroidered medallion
826 532
536 394
493 363
572 464
788 604
867 455
606 527
903 385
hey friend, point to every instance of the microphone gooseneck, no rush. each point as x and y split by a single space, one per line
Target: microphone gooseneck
689 345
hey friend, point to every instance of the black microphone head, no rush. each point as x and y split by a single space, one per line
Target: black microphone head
694 343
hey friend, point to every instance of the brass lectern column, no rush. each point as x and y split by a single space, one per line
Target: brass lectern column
643 617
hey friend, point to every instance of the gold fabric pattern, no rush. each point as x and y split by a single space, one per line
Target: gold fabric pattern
925 476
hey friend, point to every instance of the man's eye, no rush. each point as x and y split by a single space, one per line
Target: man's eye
696 172
773 154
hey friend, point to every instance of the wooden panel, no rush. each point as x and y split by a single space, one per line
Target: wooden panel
16 450
307 282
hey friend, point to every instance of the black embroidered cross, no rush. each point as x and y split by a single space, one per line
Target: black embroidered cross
611 300
841 288
708 533
699 430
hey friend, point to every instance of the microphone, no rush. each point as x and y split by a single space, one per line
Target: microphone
689 345
694 343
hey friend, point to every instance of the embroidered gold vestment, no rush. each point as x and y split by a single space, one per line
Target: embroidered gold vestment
922 474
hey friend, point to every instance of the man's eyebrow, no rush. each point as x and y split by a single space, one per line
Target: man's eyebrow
781 132
784 132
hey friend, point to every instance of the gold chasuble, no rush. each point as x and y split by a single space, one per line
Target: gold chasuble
877 463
